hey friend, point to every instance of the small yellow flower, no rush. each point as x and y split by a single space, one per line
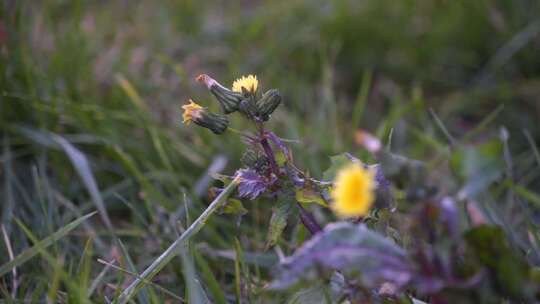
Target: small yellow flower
353 191
191 110
249 83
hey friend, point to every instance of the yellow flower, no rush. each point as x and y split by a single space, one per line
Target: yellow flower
191 110
249 83
353 191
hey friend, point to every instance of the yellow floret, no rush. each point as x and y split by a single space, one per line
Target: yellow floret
191 110
249 83
353 191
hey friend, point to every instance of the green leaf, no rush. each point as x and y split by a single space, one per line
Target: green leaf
477 166
278 222
225 179
234 206
309 195
281 158
34 250
336 162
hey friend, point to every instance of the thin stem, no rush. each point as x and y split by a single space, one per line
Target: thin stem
171 252
308 220
267 149
270 154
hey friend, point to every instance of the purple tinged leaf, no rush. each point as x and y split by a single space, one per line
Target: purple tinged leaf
352 249
251 184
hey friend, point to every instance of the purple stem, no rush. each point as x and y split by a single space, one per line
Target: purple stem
308 220
270 154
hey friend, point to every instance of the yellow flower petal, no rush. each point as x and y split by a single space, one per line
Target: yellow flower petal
191 110
353 192
249 83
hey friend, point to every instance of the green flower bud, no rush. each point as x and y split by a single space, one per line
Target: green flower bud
268 103
193 112
217 123
228 99
247 107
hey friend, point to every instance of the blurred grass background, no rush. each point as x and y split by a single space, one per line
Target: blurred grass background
90 116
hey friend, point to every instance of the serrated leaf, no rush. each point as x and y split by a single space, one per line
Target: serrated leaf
278 222
251 184
352 249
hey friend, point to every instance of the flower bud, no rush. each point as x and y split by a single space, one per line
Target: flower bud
247 107
268 103
228 99
217 123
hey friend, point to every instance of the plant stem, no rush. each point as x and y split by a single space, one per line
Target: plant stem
308 220
270 154
171 252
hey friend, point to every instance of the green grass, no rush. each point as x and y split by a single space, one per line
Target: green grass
90 96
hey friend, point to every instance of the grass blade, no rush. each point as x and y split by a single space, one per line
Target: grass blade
442 127
210 279
171 252
32 251
194 290
125 271
362 98
143 296
80 162
483 124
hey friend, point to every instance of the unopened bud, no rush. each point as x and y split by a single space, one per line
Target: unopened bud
247 107
268 103
217 123
193 112
228 99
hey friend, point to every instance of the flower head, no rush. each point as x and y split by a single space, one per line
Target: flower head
353 191
191 111
248 83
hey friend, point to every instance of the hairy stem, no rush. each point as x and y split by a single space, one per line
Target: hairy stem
171 252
